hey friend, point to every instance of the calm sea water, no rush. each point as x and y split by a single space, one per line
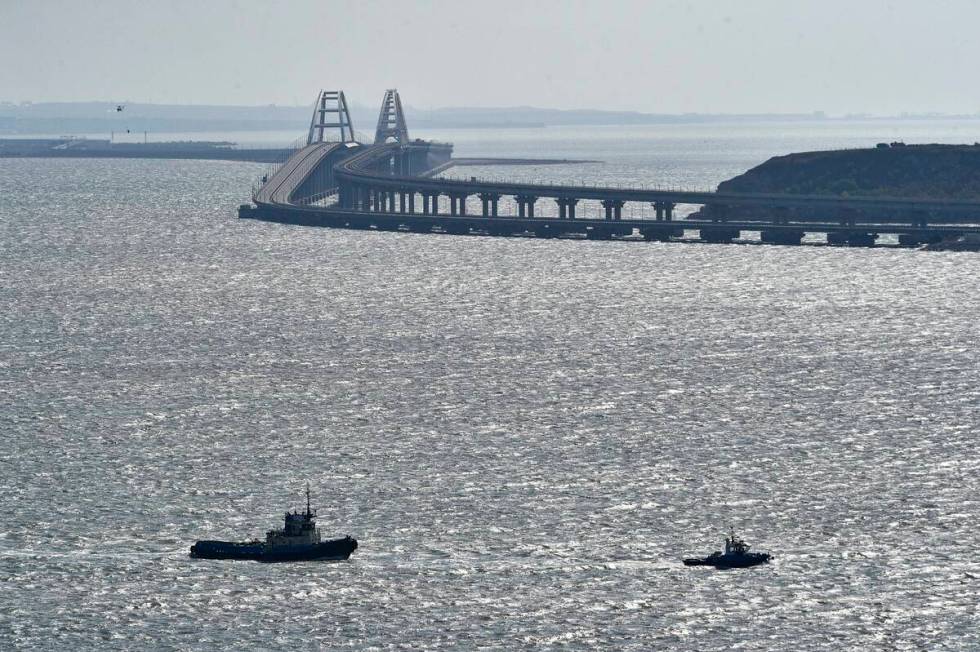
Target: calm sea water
525 436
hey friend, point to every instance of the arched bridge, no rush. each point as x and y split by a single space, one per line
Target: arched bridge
391 185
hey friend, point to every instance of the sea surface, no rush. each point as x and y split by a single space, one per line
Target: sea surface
525 436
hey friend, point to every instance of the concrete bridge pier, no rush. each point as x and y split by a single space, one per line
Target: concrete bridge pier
525 205
411 202
489 200
614 208
457 204
430 203
664 210
566 207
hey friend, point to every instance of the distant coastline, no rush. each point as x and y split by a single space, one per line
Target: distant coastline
101 117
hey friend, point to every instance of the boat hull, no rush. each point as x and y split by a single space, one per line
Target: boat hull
729 561
336 550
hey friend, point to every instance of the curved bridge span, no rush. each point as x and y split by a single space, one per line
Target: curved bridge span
282 186
391 185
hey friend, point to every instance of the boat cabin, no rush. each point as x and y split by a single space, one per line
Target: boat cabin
299 528
734 545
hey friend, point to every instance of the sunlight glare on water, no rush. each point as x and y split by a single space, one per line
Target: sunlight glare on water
525 435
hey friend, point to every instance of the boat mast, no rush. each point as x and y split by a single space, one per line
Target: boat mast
308 499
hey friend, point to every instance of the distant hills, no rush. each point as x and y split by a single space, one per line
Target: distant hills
102 117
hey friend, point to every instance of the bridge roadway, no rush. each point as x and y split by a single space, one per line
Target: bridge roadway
334 216
354 171
367 191
280 188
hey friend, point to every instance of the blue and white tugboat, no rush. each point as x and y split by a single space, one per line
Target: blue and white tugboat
736 555
298 540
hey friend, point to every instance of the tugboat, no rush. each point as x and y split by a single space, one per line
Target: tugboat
298 540
736 555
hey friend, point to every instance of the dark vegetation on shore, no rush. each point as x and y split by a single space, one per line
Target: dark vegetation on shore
888 170
894 170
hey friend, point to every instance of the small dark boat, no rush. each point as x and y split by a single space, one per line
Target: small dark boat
736 555
299 540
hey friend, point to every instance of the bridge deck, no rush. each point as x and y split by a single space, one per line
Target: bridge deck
355 170
279 188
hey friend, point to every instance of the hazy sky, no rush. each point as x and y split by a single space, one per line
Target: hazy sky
660 56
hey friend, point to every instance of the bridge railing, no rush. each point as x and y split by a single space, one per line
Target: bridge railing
615 185
273 168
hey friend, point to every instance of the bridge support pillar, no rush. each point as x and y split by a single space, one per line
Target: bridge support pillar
453 205
525 205
430 203
664 210
411 202
566 207
614 208
489 200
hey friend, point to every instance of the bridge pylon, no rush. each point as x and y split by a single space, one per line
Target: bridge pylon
391 121
330 112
